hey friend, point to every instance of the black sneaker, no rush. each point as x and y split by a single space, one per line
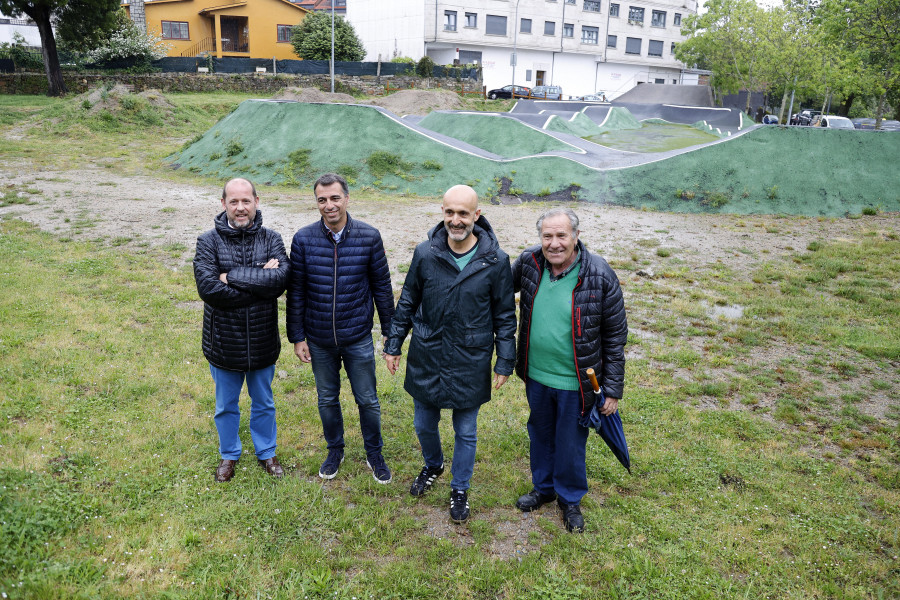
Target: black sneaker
425 480
380 470
459 506
533 500
331 465
572 517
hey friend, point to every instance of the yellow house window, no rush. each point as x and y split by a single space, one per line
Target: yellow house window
175 30
284 33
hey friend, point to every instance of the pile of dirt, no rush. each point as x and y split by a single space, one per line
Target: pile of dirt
419 102
313 95
121 97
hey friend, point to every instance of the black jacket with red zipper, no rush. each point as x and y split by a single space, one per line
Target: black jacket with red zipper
599 327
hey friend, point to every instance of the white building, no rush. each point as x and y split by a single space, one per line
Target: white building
582 45
24 26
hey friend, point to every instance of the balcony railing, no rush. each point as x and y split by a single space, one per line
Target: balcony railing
208 45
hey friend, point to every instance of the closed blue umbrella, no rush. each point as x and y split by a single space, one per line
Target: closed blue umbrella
608 426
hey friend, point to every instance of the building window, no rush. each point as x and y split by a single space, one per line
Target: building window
495 25
659 80
568 30
635 15
672 50
590 35
472 20
592 5
632 45
525 26
614 10
449 20
658 18
284 33
549 28
570 1
676 20
175 30
655 48
611 41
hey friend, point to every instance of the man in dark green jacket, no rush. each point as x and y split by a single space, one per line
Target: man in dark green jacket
458 300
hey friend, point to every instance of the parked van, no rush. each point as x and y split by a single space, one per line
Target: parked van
548 92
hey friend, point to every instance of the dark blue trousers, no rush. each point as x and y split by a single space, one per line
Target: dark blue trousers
558 442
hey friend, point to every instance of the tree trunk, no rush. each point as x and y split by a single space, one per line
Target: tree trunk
55 84
879 114
784 99
846 105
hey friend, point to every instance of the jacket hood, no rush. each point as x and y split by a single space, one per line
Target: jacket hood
224 228
482 230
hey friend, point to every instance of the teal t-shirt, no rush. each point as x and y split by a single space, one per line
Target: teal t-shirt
551 351
462 260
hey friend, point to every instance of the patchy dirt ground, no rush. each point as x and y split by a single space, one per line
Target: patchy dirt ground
404 102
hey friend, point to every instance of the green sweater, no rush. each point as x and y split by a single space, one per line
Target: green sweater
551 353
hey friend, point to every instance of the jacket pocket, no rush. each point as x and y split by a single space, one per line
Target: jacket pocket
478 339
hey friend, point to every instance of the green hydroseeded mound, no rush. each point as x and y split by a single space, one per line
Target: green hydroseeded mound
501 135
813 171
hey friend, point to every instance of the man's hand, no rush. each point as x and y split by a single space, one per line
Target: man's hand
223 277
272 264
499 380
392 362
611 406
301 349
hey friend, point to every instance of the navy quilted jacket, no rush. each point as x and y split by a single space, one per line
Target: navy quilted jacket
240 320
599 327
333 286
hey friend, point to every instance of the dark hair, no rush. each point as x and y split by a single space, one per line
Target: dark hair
328 179
225 187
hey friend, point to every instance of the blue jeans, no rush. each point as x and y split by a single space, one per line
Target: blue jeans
359 363
558 442
263 429
465 428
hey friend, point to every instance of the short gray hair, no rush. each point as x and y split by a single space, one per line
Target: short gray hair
553 212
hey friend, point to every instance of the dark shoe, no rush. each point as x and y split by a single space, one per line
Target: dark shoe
225 470
459 506
272 467
425 480
533 500
331 465
380 470
572 517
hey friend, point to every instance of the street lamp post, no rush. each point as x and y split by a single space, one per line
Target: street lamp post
332 46
515 57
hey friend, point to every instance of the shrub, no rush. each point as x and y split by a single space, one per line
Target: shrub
129 42
382 162
870 211
772 192
432 165
234 147
425 67
404 60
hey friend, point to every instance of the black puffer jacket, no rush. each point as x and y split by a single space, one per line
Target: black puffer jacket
457 319
240 320
599 326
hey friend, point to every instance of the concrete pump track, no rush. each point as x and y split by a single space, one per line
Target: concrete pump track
559 151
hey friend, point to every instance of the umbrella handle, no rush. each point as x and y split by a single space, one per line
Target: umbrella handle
593 378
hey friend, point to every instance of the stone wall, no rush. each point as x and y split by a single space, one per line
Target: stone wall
36 83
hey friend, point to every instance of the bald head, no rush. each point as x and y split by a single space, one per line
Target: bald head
460 208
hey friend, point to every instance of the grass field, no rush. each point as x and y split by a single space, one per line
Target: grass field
765 443
653 137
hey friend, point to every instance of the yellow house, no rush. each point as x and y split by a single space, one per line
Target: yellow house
244 28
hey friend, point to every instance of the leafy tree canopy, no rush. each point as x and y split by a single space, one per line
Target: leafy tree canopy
312 39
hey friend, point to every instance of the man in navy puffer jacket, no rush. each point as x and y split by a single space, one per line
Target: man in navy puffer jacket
339 272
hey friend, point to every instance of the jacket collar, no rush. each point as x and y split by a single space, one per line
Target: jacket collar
328 233
487 241
222 226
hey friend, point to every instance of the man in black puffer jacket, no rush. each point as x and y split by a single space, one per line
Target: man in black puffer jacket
572 318
458 301
339 274
241 269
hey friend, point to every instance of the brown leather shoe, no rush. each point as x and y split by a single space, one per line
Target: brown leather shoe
272 467
225 470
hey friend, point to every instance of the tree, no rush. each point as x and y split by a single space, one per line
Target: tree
312 39
726 40
870 31
127 42
44 13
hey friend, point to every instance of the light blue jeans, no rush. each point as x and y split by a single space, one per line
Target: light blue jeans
263 429
465 428
359 363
